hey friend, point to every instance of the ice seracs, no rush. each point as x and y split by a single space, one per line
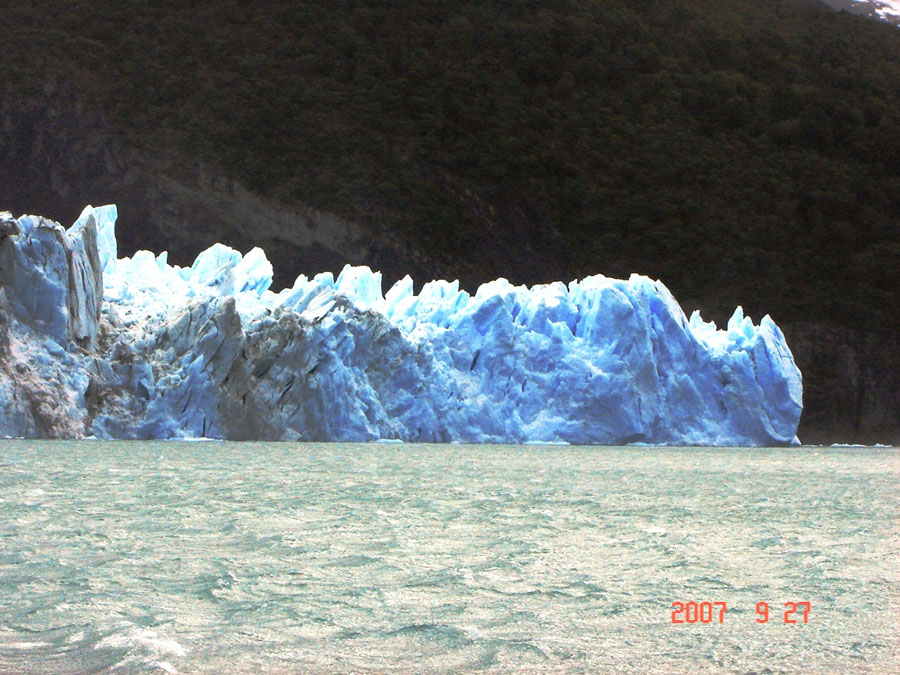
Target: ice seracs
210 351
53 277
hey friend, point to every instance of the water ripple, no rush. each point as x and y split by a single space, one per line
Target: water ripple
334 558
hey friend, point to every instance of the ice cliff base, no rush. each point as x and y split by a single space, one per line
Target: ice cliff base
93 345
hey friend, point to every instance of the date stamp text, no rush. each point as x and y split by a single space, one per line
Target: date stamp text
714 612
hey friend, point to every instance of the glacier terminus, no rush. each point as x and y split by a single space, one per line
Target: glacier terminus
92 345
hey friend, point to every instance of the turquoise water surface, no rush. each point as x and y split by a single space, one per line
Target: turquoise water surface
253 557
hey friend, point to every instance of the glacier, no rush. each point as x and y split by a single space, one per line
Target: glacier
93 345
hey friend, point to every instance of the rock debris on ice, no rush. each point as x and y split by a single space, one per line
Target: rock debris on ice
93 345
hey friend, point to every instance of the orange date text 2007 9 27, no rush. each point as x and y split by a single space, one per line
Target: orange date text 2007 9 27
708 612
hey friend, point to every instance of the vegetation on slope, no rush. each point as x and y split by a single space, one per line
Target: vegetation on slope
744 151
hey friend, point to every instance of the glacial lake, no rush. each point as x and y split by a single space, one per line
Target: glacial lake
252 557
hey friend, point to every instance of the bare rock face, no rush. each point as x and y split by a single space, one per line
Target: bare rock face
853 377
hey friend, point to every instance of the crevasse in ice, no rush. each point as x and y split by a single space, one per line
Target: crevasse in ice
210 350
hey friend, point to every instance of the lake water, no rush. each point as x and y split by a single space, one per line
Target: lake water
226 557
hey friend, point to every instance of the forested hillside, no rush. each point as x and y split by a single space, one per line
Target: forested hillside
743 151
